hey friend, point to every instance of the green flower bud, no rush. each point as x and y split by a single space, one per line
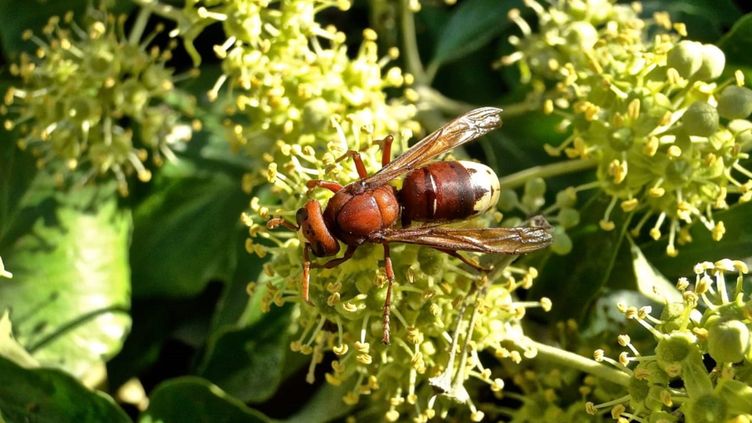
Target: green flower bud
316 114
431 261
685 57
621 139
738 395
535 187
678 172
700 119
509 200
560 243
713 62
638 389
674 348
735 102
566 198
672 317
728 341
568 217
581 35
706 409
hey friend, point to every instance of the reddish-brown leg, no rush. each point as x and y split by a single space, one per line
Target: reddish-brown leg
331 186
277 221
386 149
386 338
465 260
336 262
306 278
359 166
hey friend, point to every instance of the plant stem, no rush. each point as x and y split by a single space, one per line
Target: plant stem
518 179
576 361
434 99
164 10
410 45
137 31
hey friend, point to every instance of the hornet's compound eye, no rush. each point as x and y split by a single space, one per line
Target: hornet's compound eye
312 225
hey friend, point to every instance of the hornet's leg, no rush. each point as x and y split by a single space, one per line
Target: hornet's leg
386 149
331 186
465 260
386 338
336 262
359 166
277 221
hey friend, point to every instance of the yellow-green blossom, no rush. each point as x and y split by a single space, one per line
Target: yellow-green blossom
666 136
298 102
93 101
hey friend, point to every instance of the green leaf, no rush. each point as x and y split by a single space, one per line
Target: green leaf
578 277
706 20
737 43
186 230
736 244
69 296
650 282
10 348
192 399
472 25
247 362
324 406
48 395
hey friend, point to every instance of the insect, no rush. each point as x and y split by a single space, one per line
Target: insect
367 210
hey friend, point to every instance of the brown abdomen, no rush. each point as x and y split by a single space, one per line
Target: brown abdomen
445 191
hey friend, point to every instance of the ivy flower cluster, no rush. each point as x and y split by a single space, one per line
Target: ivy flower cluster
666 135
699 370
289 77
94 100
299 102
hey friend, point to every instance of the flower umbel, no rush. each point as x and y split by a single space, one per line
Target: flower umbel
667 137
712 322
299 122
83 93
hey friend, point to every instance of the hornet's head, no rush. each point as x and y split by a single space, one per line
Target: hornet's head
314 229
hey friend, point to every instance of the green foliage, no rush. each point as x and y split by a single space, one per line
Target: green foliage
147 143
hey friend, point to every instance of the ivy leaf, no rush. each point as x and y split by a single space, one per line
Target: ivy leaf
566 281
736 45
70 292
193 212
471 26
247 362
736 244
324 406
192 399
650 282
10 348
49 395
706 20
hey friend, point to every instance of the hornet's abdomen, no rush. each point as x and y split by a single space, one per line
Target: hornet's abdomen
443 191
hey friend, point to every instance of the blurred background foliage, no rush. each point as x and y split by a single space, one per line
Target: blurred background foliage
145 295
